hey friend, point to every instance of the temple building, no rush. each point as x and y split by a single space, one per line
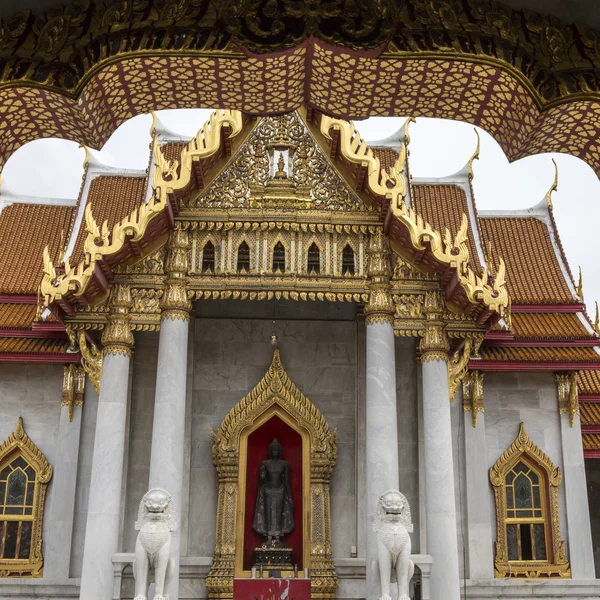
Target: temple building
276 324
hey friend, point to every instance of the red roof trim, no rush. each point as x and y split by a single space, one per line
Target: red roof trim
34 333
591 454
517 365
591 398
543 342
499 335
547 308
17 299
590 429
50 358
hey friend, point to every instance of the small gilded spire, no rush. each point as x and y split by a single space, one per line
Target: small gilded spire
154 123
86 160
475 155
579 289
406 134
597 320
553 187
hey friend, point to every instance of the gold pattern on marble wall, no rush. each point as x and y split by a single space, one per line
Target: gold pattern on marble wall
73 388
473 394
20 457
568 398
274 395
537 466
117 337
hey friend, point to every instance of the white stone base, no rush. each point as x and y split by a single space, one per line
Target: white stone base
502 589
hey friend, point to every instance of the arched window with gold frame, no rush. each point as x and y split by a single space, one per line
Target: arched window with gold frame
24 476
526 486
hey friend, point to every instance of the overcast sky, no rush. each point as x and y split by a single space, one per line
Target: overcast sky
53 168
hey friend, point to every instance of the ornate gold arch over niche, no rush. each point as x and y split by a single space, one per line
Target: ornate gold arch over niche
25 468
275 394
78 72
537 467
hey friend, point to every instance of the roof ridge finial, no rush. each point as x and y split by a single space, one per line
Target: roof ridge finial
553 187
597 320
475 155
154 123
406 134
88 154
579 288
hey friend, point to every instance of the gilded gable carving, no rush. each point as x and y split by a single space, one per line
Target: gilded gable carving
311 181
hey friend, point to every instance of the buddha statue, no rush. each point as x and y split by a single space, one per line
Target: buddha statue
274 515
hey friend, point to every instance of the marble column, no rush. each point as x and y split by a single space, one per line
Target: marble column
442 541
581 552
480 521
104 506
57 553
168 431
381 412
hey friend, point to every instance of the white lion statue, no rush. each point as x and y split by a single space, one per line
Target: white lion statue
392 526
155 522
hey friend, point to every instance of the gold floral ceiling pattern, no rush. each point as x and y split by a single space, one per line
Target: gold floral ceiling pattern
79 71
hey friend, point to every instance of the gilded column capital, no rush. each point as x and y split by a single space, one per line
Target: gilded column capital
380 308
473 394
568 397
174 302
434 343
117 337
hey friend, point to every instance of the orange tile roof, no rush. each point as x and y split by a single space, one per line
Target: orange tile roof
387 157
32 345
528 354
533 272
112 197
443 205
548 325
25 230
17 316
591 441
589 382
590 413
172 150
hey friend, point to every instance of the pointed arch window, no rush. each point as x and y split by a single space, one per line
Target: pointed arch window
528 540
208 258
313 266
24 476
348 266
243 259
278 258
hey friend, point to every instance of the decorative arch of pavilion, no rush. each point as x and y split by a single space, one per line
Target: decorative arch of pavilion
80 70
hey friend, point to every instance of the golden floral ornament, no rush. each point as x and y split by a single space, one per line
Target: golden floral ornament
174 302
473 394
73 388
275 394
568 398
169 176
458 366
17 445
524 449
380 308
434 343
117 337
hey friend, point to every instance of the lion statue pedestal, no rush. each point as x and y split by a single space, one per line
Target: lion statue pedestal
392 526
156 521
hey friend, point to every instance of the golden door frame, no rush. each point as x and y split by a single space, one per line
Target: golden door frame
277 395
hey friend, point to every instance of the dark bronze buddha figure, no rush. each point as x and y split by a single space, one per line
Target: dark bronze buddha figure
274 515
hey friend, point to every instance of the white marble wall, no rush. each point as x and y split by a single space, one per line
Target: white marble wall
231 355
592 475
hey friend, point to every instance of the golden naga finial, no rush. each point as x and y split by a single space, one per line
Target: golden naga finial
406 134
154 123
86 160
475 155
597 320
553 187
579 289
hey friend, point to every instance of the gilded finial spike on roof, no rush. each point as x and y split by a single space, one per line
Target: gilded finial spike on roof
154 123
86 160
579 289
553 187
597 320
475 155
406 134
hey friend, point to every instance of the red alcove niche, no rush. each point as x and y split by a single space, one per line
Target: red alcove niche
258 450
